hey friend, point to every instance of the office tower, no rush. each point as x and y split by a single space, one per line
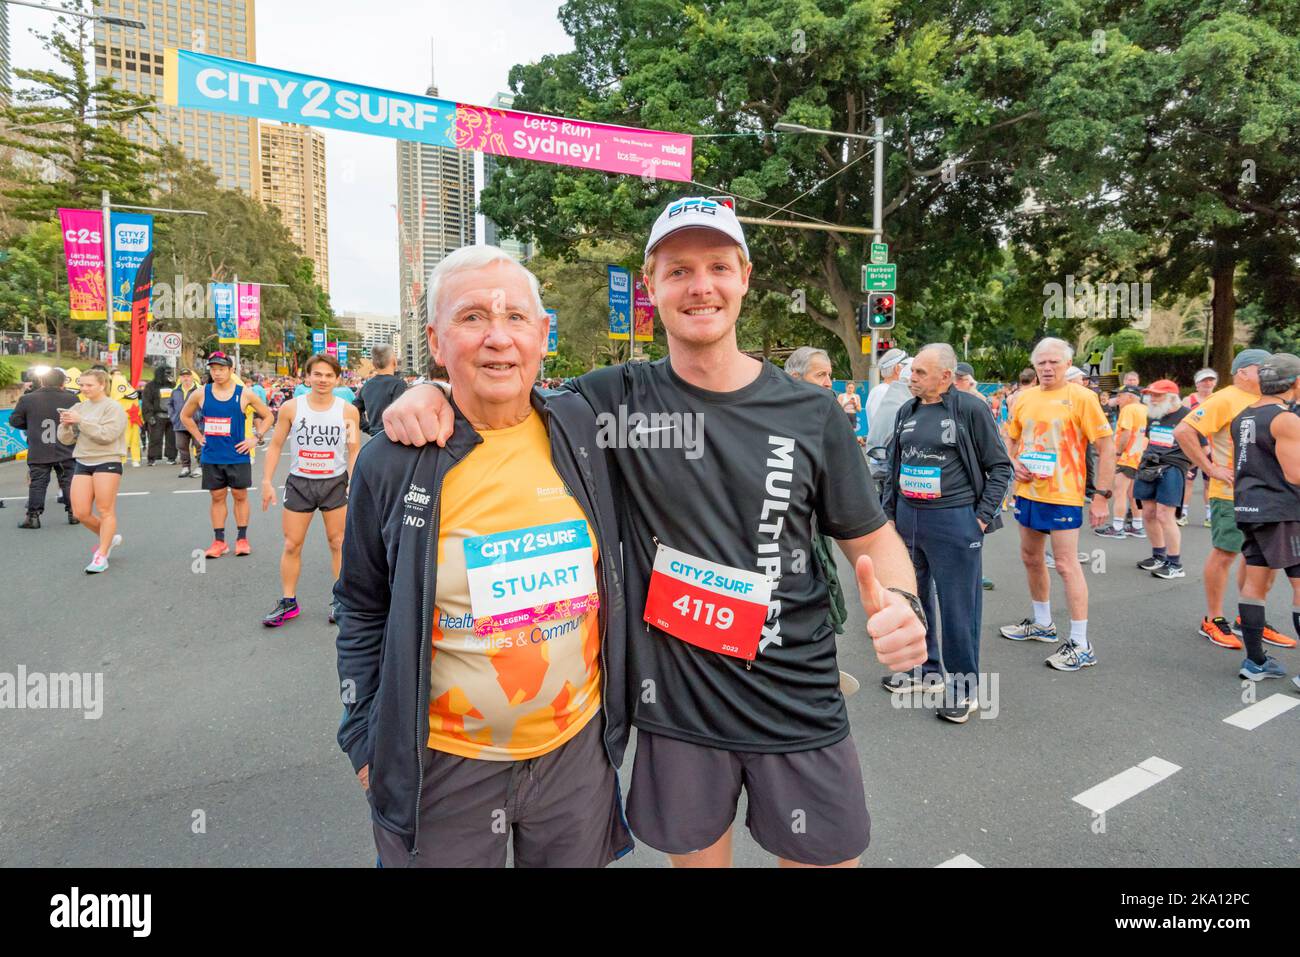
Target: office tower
134 58
293 181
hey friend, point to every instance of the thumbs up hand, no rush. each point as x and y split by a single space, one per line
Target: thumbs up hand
895 631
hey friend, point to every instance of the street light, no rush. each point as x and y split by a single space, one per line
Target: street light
800 128
115 21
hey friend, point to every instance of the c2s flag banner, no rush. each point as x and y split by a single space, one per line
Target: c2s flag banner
83 247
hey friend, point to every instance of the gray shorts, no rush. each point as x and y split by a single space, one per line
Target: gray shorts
804 806
563 810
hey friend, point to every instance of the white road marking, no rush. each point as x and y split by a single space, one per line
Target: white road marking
189 491
1126 784
1261 711
961 860
124 494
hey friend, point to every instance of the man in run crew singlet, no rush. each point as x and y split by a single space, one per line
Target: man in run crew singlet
324 434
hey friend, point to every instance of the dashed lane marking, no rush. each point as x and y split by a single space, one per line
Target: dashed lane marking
1126 784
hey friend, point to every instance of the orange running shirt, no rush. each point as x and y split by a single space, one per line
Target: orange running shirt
523 690
1132 417
1054 429
1213 419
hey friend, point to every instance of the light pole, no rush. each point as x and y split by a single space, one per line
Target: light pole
877 199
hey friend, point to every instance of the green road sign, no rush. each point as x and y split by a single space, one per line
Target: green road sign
879 277
879 254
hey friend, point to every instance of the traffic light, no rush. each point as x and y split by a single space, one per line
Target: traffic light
880 310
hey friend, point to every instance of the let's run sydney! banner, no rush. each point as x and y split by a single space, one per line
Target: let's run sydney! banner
205 82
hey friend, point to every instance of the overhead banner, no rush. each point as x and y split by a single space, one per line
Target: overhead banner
317 341
83 246
205 82
643 313
250 314
132 243
223 307
332 349
553 333
140 290
620 302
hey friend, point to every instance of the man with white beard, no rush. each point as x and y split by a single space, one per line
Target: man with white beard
1161 474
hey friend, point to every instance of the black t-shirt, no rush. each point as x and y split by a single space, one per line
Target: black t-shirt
732 472
1162 448
376 395
930 471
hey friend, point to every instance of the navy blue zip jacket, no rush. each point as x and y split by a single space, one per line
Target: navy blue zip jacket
385 593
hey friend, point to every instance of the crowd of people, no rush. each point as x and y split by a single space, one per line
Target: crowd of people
526 570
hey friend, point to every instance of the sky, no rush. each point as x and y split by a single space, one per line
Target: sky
469 49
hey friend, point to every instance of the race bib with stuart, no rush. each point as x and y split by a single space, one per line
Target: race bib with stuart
530 575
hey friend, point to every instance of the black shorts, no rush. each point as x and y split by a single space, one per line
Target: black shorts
1272 545
112 468
308 495
219 475
804 806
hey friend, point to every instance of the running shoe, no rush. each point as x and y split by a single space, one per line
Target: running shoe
117 540
1271 635
1168 572
216 549
1070 657
1135 532
1109 531
960 711
986 584
1249 670
1050 560
72 519
1296 681
98 563
1027 630
184 473
242 547
1150 564
284 609
1206 523
1219 633
1182 522
903 682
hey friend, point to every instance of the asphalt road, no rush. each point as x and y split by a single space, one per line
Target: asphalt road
210 719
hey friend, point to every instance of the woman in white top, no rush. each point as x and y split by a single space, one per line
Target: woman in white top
97 427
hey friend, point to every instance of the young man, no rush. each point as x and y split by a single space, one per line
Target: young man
224 448
1050 429
1160 476
1266 500
1212 420
325 435
721 520
380 389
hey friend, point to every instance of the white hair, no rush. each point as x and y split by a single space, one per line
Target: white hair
1060 345
802 357
475 257
944 354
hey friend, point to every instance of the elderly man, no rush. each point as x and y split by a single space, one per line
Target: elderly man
731 652
811 365
480 606
1159 480
891 367
1050 429
965 381
947 474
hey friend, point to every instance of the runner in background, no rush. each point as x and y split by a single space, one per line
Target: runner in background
1266 500
1130 442
1161 474
324 432
1207 380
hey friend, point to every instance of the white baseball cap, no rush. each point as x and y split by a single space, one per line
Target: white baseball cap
697 212
1205 374
892 358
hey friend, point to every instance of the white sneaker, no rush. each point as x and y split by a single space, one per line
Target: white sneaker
135 465
98 563
117 540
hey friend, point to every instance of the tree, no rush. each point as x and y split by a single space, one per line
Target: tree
65 119
956 82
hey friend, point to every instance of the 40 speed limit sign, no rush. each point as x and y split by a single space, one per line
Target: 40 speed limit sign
163 344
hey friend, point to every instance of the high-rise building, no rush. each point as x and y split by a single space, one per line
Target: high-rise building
371 329
493 235
134 58
293 181
4 54
435 216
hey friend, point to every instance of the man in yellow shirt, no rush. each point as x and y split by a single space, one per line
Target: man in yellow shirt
1130 442
1050 429
1213 420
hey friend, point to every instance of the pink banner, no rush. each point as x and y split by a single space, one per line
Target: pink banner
249 315
652 154
643 313
332 349
83 245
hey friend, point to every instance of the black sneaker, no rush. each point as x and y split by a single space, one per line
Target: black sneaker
1150 564
72 519
960 711
285 609
33 520
903 682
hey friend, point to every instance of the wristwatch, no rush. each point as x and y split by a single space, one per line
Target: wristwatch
1106 494
915 603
